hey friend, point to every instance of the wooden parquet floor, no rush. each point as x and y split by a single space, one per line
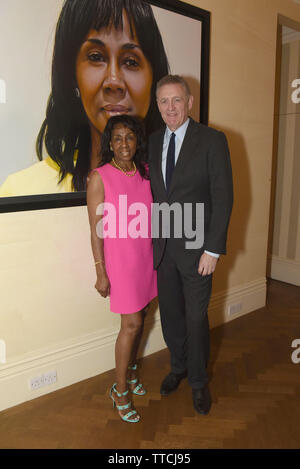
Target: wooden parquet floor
255 390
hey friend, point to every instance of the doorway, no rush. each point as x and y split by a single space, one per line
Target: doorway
284 228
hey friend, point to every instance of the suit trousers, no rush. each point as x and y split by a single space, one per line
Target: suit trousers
184 296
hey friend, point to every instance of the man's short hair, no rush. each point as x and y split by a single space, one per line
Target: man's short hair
173 79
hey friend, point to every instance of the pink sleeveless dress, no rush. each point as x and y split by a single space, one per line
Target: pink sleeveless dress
127 240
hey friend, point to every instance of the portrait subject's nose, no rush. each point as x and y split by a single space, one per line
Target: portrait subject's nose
114 82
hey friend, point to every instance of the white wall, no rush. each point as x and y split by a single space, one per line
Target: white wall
27 30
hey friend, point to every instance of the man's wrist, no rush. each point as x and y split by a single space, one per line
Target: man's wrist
213 254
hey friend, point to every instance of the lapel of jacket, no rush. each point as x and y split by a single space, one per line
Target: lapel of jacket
184 154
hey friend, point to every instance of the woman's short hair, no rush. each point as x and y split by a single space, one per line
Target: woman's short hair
136 125
66 127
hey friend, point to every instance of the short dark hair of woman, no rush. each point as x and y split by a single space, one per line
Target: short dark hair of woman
136 125
66 127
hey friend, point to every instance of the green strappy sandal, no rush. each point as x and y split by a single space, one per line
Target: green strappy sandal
129 414
139 390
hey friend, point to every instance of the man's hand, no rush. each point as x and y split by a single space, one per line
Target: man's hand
207 264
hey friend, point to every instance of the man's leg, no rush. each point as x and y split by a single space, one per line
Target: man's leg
171 305
197 292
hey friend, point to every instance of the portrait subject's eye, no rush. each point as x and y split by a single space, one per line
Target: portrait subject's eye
96 57
131 62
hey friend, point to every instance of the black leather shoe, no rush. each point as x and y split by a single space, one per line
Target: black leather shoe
171 383
202 400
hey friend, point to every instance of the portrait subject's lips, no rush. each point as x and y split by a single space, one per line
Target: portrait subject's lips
116 108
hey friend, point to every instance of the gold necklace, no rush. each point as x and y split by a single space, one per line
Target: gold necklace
123 170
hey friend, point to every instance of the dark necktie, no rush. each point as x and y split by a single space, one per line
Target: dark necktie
170 161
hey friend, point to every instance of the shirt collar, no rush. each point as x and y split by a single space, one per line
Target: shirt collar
180 132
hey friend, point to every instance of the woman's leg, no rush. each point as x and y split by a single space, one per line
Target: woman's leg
137 341
131 327
133 374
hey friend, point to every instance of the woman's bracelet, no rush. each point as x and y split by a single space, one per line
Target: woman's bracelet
99 262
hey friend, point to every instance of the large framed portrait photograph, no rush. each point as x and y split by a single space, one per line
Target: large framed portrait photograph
51 97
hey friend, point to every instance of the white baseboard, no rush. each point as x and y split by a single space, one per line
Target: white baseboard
249 297
285 270
94 354
73 362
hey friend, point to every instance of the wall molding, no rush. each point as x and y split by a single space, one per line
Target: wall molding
251 296
290 36
285 270
93 354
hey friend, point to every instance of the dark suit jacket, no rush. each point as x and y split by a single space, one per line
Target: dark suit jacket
202 174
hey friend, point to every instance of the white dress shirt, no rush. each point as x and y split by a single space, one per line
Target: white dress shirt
179 137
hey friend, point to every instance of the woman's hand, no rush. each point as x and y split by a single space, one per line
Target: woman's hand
102 285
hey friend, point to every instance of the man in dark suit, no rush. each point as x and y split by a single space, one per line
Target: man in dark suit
189 166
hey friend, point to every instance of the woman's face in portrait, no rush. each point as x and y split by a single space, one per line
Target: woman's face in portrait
123 143
113 75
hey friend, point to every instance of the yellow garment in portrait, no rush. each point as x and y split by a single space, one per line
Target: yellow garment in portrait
40 178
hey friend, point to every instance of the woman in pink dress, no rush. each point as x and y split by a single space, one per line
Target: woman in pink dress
119 205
